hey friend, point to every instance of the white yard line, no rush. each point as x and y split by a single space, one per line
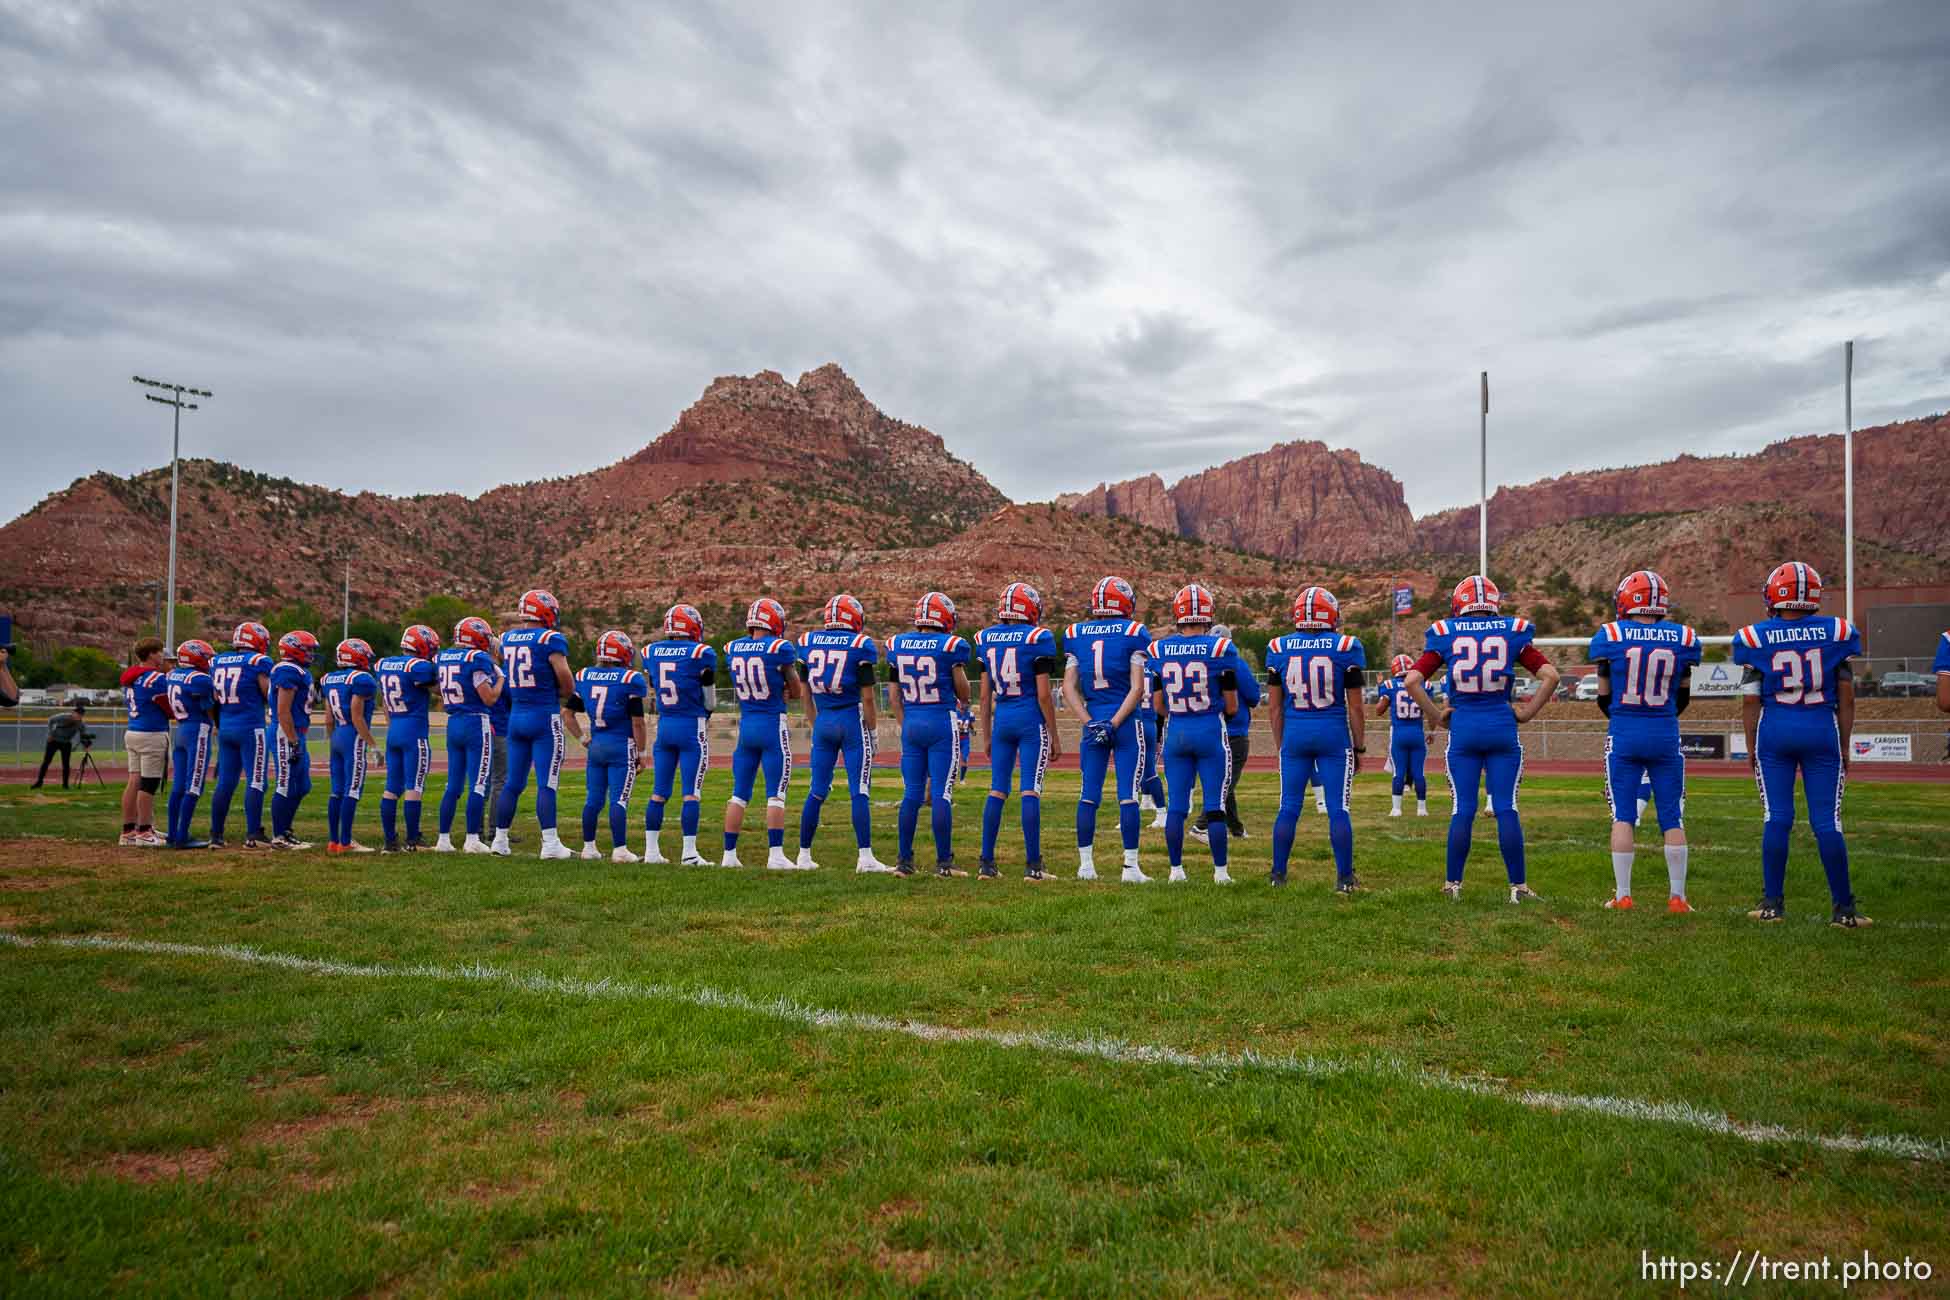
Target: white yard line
1115 1050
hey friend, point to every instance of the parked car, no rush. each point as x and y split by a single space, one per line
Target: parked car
1587 688
1906 684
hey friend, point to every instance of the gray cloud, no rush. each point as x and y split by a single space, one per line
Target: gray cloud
414 249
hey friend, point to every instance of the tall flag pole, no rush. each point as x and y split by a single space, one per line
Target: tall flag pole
1483 483
1848 471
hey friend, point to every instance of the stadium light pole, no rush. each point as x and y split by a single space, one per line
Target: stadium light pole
1848 475
177 392
1483 481
345 611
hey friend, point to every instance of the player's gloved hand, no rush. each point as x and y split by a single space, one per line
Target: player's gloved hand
1098 733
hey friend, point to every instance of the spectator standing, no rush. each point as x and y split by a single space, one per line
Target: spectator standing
9 690
148 744
62 729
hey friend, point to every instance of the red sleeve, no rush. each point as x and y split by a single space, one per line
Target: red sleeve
1532 658
1428 663
130 673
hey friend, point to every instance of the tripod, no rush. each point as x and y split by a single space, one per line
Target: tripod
88 765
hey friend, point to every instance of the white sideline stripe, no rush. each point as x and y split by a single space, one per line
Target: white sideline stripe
1118 1051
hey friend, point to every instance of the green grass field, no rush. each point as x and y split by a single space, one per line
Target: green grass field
509 1077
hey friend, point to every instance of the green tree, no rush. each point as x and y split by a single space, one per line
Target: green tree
301 615
84 665
441 612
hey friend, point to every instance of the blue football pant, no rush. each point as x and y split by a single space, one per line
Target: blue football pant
1810 744
1486 751
409 756
612 776
348 776
929 764
1127 753
470 764
1321 757
1409 752
241 754
1016 738
1634 762
681 749
534 741
189 760
764 745
1196 749
837 736
292 767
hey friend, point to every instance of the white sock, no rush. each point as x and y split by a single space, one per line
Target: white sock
550 839
1130 857
1676 869
1086 856
1422 806
1398 802
730 858
805 855
444 842
1621 871
690 846
501 836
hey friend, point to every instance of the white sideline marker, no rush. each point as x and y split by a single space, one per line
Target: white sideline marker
1900 1146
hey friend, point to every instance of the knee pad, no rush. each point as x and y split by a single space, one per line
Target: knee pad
151 784
736 801
1213 817
775 803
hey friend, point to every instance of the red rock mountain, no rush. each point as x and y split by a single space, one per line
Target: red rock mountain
1902 485
1298 500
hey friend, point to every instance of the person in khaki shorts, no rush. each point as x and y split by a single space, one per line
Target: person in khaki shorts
147 744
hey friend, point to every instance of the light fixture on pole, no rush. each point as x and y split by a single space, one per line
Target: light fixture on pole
177 392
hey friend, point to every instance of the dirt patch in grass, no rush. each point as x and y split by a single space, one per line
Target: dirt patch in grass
193 1164
31 884
891 1211
910 1266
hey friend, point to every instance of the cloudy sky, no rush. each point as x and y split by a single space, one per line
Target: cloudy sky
419 246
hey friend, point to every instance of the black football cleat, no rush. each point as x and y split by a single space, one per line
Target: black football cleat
904 867
988 871
1768 910
1349 884
1845 918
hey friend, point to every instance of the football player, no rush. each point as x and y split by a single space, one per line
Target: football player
349 690
764 667
1408 746
1482 647
1798 709
1018 719
1103 684
1195 682
930 668
535 660
145 692
611 692
471 684
192 704
1152 784
1239 730
1315 674
406 682
841 706
241 680
1645 665
291 694
1941 667
683 673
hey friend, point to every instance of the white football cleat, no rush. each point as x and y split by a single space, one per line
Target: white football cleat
475 844
1086 872
556 851
445 844
1524 894
693 860
590 853
1133 876
1320 803
1220 876
777 860
1158 823
1453 888
730 860
1198 833
353 846
620 854
500 847
1421 810
869 865
1394 812
805 862
1177 876
654 855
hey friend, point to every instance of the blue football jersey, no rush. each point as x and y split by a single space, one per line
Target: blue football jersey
925 662
456 669
1011 655
1403 711
146 711
406 685
758 665
1795 663
1103 649
1482 652
1191 670
679 670
241 701
1312 669
288 676
606 691
525 655
1942 664
1648 661
190 693
340 687
838 664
